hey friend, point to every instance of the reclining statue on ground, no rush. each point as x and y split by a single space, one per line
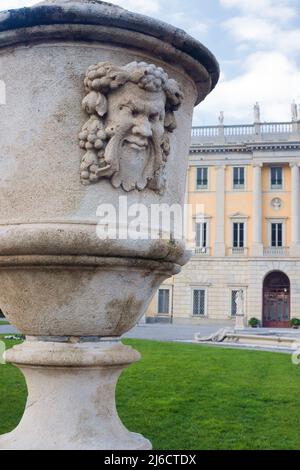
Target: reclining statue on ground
216 337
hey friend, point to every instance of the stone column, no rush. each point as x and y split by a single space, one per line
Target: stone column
188 213
295 209
187 181
257 248
219 245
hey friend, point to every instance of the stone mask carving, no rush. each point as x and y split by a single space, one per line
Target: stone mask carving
131 112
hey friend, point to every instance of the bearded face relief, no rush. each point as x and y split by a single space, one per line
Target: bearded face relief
131 111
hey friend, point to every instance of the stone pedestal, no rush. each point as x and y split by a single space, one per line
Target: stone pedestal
219 245
240 322
71 400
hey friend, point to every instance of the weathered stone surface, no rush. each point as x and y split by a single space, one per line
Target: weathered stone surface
104 14
78 300
60 284
72 389
40 181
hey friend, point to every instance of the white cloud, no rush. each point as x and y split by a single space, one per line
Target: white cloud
188 23
196 28
268 77
271 76
278 9
248 28
264 24
146 7
10 4
263 33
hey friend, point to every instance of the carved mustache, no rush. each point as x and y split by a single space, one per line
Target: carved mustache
142 143
113 151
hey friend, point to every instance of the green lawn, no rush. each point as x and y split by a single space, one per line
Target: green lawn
4 322
184 397
12 394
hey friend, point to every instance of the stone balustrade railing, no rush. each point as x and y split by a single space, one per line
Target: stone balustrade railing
243 251
214 131
238 251
202 251
276 251
246 132
278 127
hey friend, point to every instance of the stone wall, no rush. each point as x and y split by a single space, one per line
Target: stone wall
218 276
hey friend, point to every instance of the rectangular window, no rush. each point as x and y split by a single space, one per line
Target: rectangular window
201 234
238 234
202 178
238 177
198 302
276 234
233 303
163 301
276 177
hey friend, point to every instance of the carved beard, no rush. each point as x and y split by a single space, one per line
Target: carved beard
128 167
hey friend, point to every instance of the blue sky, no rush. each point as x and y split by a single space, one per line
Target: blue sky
257 43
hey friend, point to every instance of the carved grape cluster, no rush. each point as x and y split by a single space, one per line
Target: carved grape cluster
147 76
104 76
93 139
93 136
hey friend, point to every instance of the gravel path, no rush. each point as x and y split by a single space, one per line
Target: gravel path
186 333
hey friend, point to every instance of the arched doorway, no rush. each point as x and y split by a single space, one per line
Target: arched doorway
276 300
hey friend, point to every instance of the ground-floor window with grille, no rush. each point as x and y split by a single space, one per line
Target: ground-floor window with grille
199 302
163 301
233 303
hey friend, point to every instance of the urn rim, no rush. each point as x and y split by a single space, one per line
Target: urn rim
98 13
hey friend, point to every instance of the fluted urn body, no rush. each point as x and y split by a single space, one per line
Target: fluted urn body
96 120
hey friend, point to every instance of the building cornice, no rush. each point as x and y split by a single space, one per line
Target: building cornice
243 148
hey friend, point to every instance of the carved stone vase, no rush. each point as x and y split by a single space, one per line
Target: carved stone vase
98 110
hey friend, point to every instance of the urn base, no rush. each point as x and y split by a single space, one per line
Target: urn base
71 396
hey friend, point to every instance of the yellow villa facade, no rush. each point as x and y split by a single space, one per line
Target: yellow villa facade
246 234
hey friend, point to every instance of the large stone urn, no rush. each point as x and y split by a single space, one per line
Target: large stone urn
99 105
